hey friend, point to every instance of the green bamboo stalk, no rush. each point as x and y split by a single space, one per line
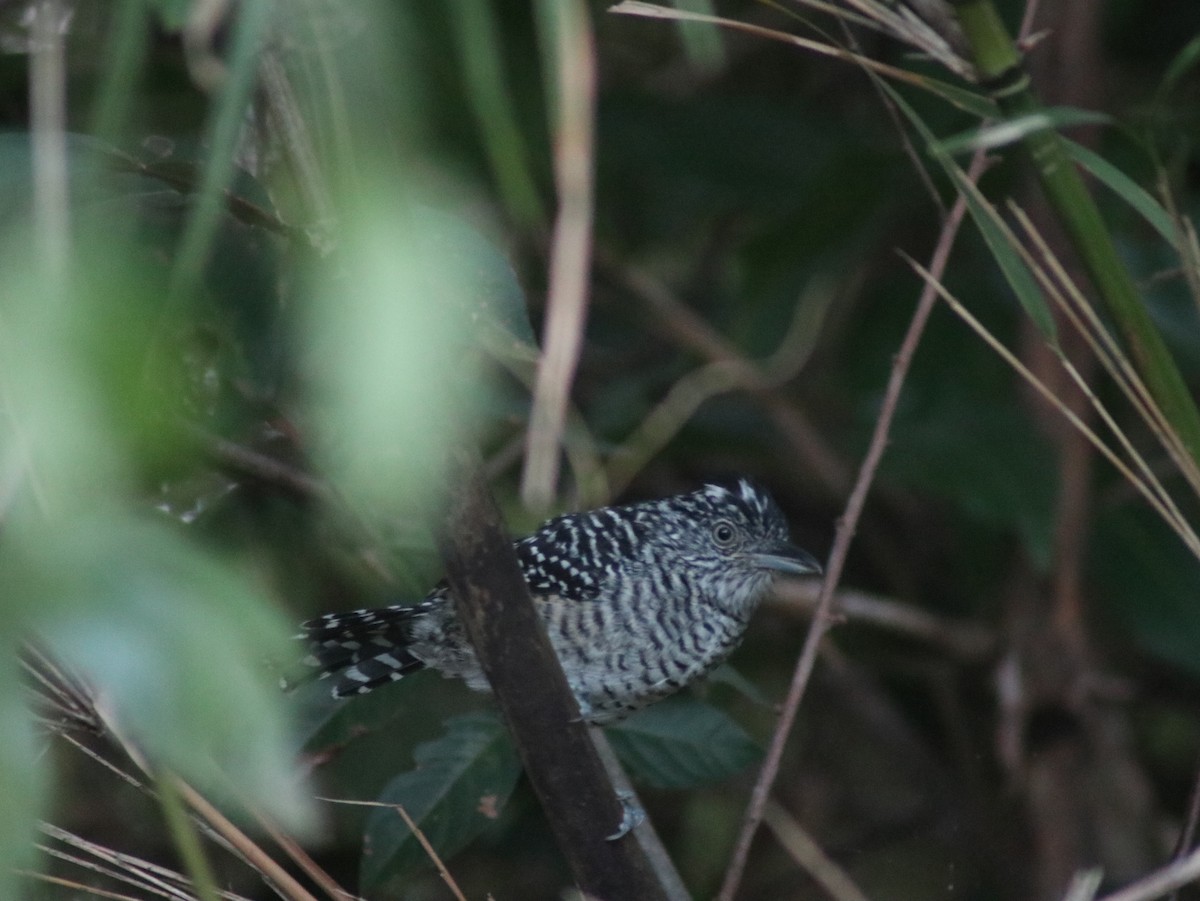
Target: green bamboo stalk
1002 72
183 833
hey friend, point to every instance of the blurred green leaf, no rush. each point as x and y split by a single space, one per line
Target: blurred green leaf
172 13
393 338
682 743
21 777
461 783
174 642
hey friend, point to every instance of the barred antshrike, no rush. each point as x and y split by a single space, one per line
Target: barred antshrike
638 601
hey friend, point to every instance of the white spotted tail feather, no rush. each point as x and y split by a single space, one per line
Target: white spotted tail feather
364 649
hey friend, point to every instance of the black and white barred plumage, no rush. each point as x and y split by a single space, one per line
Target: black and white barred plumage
638 601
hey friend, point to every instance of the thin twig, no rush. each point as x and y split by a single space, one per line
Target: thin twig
417 833
963 639
570 255
183 834
255 856
847 525
1187 835
247 461
651 11
1022 370
731 370
805 851
75 886
302 859
1174 875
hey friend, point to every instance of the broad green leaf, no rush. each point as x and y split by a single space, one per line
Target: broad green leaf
461 783
392 339
682 743
493 300
1148 582
967 442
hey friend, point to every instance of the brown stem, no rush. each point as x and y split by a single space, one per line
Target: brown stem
561 761
847 524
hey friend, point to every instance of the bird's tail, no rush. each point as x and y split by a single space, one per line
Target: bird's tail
361 649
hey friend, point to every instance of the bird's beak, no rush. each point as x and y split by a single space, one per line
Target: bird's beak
787 558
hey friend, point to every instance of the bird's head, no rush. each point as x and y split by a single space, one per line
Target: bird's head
732 541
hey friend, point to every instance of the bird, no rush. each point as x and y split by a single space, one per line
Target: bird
638 601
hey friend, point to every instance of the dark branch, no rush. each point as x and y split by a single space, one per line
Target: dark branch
563 766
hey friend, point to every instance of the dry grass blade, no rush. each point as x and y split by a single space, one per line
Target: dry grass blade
249 851
214 824
570 255
107 764
690 391
902 23
1108 453
1057 284
77 887
1061 289
304 861
59 692
1084 318
804 850
149 877
420 836
1185 239
652 11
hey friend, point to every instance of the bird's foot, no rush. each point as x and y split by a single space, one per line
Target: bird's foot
632 817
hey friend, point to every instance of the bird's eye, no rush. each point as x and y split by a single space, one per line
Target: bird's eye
723 533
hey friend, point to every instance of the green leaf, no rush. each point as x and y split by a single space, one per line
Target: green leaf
1013 130
461 783
682 743
999 240
1149 585
393 335
21 779
1126 188
727 675
174 643
1185 60
172 13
